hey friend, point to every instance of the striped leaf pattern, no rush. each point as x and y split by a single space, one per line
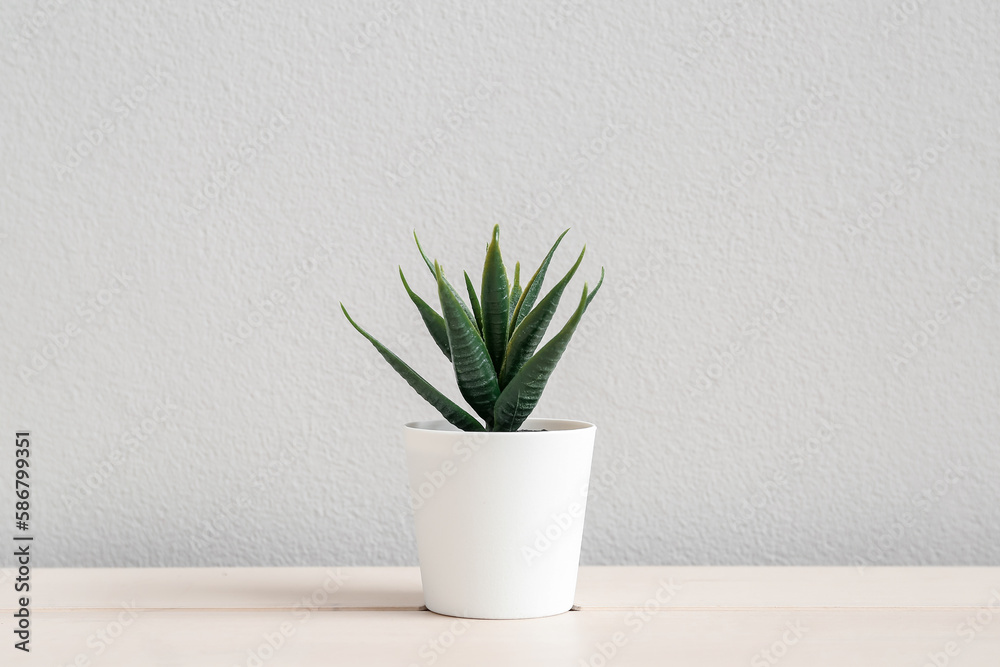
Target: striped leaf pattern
492 344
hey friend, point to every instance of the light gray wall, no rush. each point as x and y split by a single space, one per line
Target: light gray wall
786 197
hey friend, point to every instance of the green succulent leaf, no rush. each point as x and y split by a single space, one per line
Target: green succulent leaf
477 310
521 395
448 409
530 332
594 293
474 371
515 296
434 322
430 265
495 300
534 286
492 345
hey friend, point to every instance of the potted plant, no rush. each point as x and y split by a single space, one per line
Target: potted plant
499 504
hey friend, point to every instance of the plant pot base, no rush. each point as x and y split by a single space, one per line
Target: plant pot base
499 618
499 516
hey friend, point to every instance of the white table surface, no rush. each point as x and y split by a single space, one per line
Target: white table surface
702 616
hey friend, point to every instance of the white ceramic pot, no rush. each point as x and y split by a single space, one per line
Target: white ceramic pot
499 516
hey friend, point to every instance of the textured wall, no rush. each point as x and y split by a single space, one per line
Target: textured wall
796 359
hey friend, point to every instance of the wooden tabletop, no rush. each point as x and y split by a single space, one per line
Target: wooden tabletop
757 616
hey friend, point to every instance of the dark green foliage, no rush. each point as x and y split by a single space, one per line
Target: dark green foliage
492 344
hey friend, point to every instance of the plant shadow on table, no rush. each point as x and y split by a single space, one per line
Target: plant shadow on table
241 590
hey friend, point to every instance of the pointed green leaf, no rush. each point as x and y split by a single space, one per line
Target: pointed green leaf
430 266
477 310
594 293
434 322
530 332
534 285
521 396
515 296
448 409
422 253
495 302
473 368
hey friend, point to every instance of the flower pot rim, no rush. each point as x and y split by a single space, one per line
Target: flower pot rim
551 426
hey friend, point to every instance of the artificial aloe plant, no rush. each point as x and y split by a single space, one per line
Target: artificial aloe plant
492 344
